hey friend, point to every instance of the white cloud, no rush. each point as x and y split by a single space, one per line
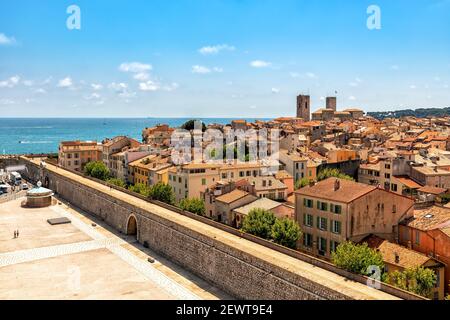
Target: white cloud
122 90
7 101
355 83
149 86
260 64
216 49
93 96
135 67
127 94
7 41
311 75
275 90
217 69
200 69
294 74
65 83
352 98
40 90
413 86
96 86
47 81
142 76
322 99
28 83
171 87
10 83
119 87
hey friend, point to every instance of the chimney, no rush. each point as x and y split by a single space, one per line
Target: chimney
337 184
397 257
311 183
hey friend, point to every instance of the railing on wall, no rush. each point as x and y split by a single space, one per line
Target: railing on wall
274 246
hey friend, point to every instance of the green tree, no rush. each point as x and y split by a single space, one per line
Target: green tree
259 222
141 189
97 169
331 172
162 192
301 183
194 205
286 232
397 279
356 257
418 280
189 125
117 182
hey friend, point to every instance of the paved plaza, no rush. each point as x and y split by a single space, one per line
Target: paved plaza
84 260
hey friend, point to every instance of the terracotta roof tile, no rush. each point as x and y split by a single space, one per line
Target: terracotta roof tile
347 192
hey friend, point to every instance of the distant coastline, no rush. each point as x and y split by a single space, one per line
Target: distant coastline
419 113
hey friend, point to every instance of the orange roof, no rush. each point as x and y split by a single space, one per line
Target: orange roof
430 218
311 124
408 182
232 196
432 190
347 192
407 258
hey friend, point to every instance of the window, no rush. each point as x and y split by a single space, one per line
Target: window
224 175
387 166
241 173
308 203
333 246
322 245
232 175
322 206
203 181
308 220
417 237
322 223
335 208
307 240
336 227
387 175
394 187
394 208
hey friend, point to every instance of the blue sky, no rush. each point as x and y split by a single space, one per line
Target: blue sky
220 58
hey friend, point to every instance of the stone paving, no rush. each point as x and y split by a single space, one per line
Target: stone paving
31 268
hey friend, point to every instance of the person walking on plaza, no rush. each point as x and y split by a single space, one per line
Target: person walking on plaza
15 234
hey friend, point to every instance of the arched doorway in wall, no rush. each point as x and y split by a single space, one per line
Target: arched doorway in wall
132 226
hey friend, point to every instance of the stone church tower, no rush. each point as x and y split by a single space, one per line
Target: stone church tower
304 107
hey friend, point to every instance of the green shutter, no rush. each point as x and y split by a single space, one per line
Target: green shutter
318 223
304 219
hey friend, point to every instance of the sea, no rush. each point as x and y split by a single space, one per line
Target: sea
43 135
